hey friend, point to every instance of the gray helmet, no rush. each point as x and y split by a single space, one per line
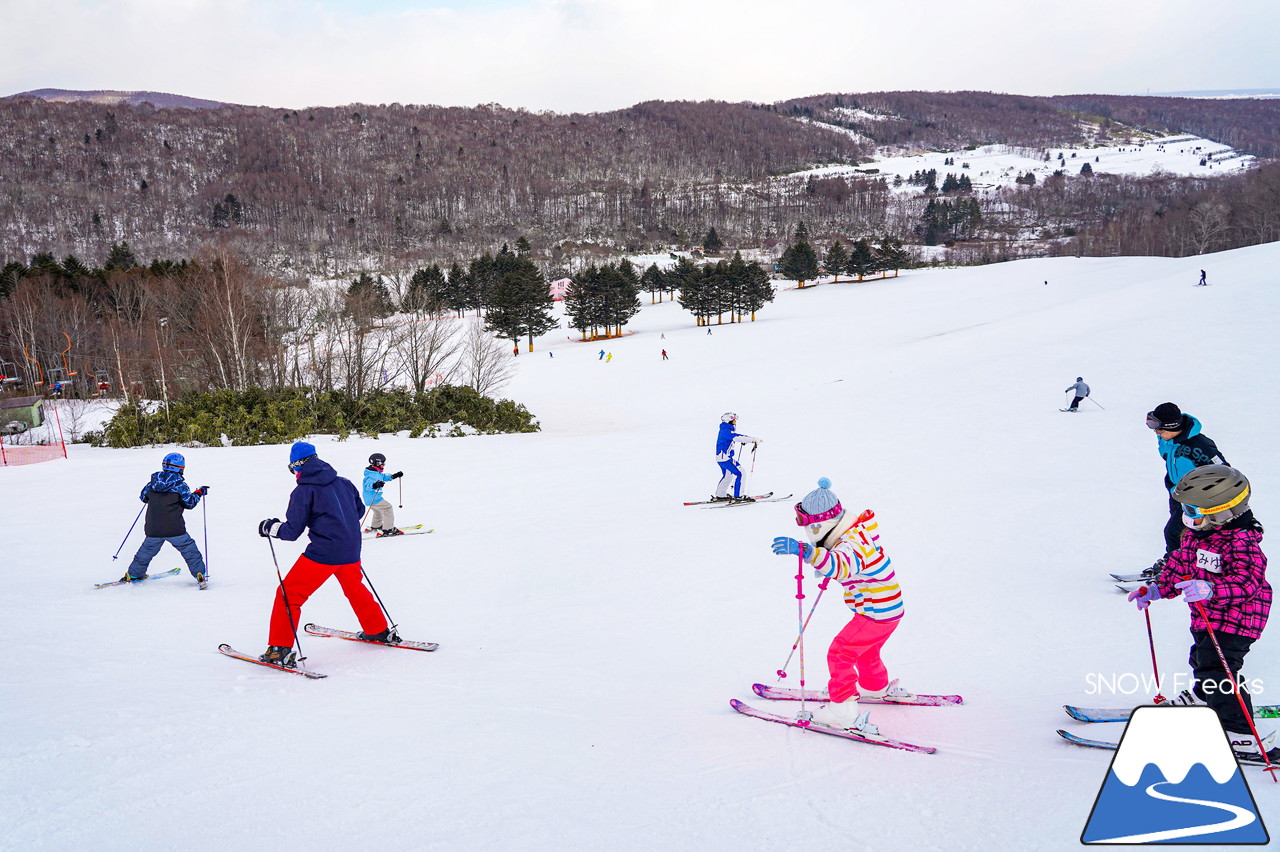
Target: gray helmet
1221 493
728 417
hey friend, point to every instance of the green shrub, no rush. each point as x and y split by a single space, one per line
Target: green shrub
276 416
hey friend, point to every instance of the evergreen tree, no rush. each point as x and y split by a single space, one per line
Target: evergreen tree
861 259
1086 169
712 242
750 284
427 291
799 261
949 184
482 274
522 247
120 257
519 303
367 298
836 260
654 281
891 255
456 289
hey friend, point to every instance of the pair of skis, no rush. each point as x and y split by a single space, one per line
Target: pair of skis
416 529
754 498
168 573
781 693
1120 714
317 630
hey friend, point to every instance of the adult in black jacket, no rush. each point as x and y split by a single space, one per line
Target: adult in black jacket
167 497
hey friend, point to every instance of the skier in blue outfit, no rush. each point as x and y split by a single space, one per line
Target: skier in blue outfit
167 497
731 473
383 521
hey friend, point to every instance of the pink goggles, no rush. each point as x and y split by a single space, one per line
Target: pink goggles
804 519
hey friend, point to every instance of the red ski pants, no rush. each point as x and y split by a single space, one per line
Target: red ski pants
303 579
853 659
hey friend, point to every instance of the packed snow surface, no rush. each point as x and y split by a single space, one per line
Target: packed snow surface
592 629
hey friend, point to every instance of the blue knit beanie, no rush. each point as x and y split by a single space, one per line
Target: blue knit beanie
821 499
301 450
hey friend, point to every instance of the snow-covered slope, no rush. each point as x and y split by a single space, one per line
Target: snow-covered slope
593 630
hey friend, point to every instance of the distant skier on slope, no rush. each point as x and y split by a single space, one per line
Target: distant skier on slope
330 507
1203 279
727 439
848 551
1081 390
1219 563
167 496
383 520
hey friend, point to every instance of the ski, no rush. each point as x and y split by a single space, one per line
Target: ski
711 502
748 710
1072 410
227 650
416 529
1120 714
784 693
750 502
317 630
1241 757
1136 577
168 573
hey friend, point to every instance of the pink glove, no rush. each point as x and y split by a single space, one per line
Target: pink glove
1145 595
1195 590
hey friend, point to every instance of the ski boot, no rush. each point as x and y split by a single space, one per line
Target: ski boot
743 499
715 498
386 637
1155 569
127 579
844 715
278 655
390 531
892 692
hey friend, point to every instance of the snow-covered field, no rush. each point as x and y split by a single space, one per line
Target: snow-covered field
994 166
593 630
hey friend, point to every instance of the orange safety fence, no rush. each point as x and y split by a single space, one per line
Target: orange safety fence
16 454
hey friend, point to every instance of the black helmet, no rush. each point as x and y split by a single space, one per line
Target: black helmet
377 460
1217 492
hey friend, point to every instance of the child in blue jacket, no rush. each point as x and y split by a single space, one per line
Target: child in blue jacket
383 520
167 497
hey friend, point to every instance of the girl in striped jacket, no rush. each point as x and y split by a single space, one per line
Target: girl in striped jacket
848 551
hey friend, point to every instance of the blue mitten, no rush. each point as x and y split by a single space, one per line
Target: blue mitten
786 546
1145 595
1195 590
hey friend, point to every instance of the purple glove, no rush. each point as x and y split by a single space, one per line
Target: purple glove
1145 595
1195 590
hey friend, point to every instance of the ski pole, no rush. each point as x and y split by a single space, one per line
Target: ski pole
822 587
284 596
803 718
1159 699
401 501
1095 402
1248 717
364 574
204 513
129 533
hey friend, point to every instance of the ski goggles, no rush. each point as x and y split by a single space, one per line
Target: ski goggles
1154 423
804 519
295 466
1208 511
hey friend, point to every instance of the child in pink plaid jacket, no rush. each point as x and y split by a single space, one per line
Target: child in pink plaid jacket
1219 565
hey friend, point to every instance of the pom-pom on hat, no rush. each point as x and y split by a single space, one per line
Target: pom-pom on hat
818 505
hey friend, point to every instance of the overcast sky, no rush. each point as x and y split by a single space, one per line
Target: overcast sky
594 55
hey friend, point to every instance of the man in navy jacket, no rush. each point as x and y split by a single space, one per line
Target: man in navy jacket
327 507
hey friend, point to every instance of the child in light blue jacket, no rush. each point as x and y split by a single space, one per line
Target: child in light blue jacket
383 520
